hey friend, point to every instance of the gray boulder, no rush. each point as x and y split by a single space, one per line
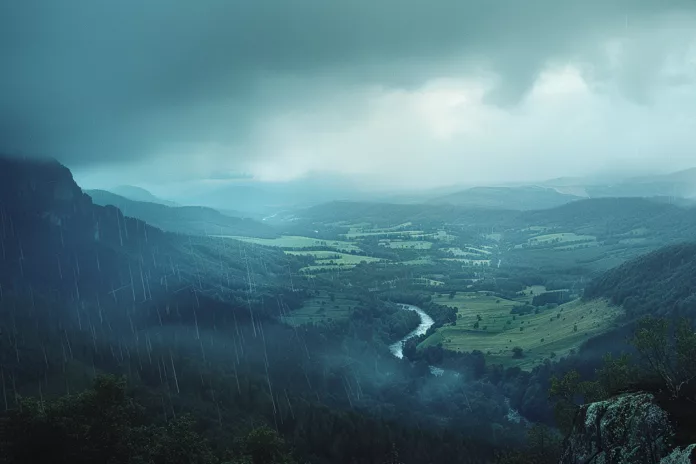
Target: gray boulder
681 456
627 429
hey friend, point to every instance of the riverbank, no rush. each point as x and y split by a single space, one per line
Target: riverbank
397 349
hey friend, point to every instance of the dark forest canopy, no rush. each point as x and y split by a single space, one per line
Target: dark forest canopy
660 283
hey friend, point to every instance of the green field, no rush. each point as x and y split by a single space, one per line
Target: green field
407 244
327 260
321 309
459 252
297 241
560 238
479 250
576 246
391 229
428 282
543 335
469 262
412 233
597 258
418 261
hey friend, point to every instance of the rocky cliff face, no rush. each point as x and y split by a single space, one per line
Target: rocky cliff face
627 429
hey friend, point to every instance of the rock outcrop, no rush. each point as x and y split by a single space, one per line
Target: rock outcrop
681 456
627 429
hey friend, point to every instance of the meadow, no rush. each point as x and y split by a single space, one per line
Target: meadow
326 260
558 239
485 323
407 244
297 241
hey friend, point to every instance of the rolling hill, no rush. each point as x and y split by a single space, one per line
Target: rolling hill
140 194
195 220
660 283
517 198
680 184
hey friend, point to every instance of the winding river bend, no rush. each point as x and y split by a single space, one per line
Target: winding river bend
397 349
426 322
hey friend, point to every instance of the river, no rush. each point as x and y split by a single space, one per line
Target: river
426 322
397 350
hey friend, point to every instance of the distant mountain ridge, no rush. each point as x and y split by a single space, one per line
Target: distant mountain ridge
679 184
135 193
56 241
196 220
517 198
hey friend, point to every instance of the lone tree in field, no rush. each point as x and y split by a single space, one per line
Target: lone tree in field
517 352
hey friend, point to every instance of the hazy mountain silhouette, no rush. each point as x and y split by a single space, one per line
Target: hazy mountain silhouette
197 220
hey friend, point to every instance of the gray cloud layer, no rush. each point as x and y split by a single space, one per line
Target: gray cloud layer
96 81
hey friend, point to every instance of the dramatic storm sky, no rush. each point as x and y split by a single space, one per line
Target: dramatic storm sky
386 92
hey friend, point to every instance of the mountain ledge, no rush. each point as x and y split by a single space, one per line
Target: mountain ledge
627 429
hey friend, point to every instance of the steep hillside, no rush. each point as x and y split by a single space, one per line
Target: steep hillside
57 244
659 283
195 220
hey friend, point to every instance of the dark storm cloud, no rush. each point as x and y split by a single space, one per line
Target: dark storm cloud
93 81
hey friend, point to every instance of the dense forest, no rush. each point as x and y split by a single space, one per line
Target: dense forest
659 283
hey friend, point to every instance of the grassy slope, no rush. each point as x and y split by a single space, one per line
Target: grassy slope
555 327
332 259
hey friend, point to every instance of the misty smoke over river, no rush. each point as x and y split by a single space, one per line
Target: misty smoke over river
426 322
